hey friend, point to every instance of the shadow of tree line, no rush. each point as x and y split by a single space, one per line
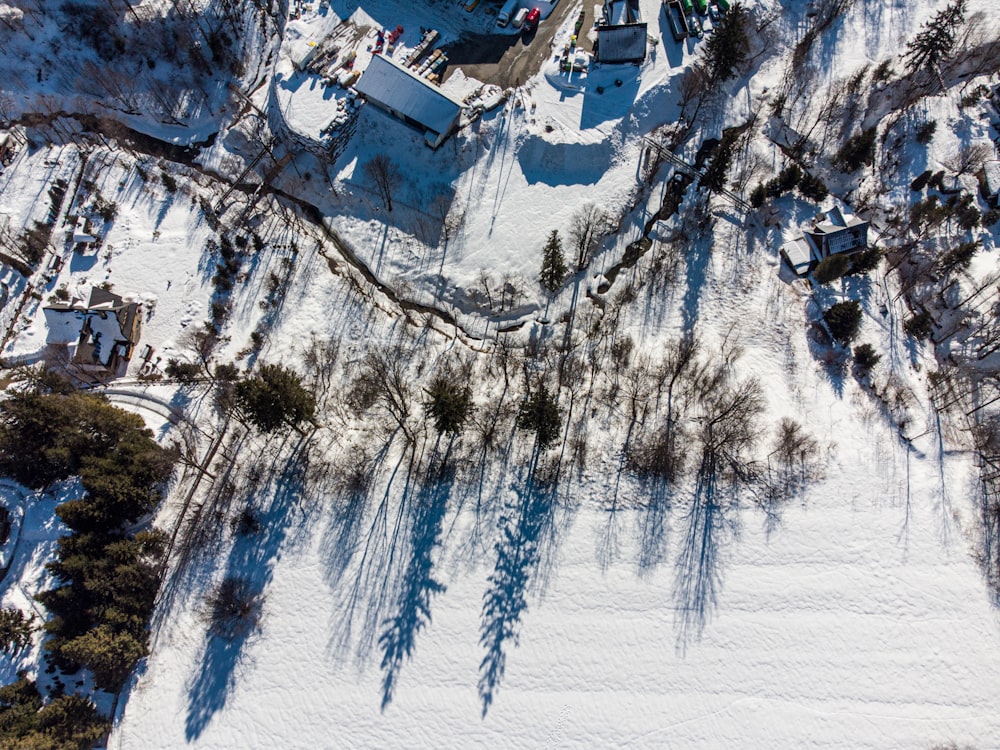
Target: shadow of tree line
247 573
518 552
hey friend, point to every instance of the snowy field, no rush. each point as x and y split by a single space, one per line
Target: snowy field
860 622
480 608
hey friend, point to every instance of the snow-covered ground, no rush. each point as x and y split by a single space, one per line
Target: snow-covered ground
466 613
860 622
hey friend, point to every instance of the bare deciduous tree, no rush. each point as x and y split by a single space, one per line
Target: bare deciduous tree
590 223
384 381
969 158
385 175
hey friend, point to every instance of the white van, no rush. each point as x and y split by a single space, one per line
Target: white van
508 10
519 18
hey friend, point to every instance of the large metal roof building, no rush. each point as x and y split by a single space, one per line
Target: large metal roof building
402 93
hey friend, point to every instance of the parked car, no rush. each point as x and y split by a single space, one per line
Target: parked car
519 18
531 22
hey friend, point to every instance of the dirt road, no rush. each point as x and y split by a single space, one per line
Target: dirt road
510 59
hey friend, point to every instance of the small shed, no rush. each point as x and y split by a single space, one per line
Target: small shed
414 100
989 182
798 255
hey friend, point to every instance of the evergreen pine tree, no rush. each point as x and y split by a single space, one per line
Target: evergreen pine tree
450 404
715 174
16 630
726 50
540 414
553 264
275 397
936 41
844 319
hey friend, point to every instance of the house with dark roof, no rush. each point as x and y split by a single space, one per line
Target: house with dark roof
101 334
414 100
621 33
836 233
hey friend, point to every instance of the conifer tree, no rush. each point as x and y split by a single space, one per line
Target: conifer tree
540 414
726 50
937 40
553 264
275 397
450 404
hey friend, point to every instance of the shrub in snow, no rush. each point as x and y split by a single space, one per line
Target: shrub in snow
831 269
920 326
234 609
793 446
843 319
857 151
925 133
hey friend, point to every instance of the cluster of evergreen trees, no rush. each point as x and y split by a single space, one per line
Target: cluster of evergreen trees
107 577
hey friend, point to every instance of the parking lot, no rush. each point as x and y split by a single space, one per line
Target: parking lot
507 59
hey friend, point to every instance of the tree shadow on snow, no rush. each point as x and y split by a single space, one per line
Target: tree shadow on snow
695 278
698 568
654 526
418 585
251 562
518 552
374 555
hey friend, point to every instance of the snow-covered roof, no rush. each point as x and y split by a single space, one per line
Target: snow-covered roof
621 12
389 84
81 233
799 254
621 43
107 322
836 221
991 177
64 324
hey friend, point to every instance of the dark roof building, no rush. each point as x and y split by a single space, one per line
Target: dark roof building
403 94
105 330
621 33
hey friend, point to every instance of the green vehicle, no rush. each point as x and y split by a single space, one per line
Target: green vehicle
723 5
687 7
701 6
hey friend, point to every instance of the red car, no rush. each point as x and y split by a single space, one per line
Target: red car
531 22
